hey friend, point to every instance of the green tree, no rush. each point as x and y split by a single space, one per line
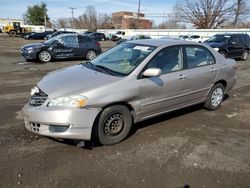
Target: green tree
35 14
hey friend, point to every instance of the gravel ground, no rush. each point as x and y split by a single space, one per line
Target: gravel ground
187 148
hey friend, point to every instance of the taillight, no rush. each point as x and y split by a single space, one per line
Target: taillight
98 44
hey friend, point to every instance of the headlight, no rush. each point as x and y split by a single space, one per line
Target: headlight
34 90
29 48
77 101
216 49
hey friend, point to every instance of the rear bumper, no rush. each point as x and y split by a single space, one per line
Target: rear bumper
68 123
231 83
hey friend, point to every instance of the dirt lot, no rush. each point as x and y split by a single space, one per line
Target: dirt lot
188 148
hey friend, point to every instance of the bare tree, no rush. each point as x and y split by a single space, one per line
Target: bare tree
205 14
242 11
62 23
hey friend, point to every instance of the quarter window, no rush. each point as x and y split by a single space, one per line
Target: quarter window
198 56
169 59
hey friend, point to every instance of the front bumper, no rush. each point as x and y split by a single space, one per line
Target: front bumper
58 122
29 55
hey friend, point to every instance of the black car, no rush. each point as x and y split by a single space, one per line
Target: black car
49 36
231 45
98 36
37 36
61 47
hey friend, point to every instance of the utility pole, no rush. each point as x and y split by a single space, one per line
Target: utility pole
72 11
45 20
138 14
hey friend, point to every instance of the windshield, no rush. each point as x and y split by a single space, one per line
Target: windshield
123 59
219 38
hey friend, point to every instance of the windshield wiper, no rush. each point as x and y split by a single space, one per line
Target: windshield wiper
106 69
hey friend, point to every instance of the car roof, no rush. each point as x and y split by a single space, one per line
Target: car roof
162 42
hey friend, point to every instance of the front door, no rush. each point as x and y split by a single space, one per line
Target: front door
160 94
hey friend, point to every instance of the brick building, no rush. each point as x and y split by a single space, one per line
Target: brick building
130 20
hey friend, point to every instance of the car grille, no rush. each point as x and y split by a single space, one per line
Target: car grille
38 98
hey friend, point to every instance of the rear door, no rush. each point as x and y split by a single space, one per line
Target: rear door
236 47
201 72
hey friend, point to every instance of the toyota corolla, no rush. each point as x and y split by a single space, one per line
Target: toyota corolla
103 98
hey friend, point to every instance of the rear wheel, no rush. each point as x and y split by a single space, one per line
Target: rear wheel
245 55
113 125
13 33
215 97
45 56
91 54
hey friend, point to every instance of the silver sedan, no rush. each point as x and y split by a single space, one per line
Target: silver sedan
101 99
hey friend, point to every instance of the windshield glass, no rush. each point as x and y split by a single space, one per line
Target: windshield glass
219 38
124 58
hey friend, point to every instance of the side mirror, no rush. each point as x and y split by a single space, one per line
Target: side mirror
233 43
152 72
57 43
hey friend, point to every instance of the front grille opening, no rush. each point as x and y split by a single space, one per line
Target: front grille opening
38 98
33 126
58 128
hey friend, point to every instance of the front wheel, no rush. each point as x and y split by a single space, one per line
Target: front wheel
91 54
215 97
244 55
45 56
113 125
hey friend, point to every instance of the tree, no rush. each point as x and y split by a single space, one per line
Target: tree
241 10
205 14
35 14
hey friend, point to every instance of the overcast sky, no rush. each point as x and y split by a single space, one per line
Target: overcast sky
154 9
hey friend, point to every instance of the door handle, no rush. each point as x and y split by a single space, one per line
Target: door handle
213 69
182 77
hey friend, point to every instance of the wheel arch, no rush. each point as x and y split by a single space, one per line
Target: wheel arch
223 82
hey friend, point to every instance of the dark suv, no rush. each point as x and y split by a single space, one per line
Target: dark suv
98 36
231 45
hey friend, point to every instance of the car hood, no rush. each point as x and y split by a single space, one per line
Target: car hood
76 79
214 44
33 45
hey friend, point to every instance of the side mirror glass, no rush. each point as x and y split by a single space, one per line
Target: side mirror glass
152 72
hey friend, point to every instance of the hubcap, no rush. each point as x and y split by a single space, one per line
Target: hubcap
217 97
113 125
91 55
245 55
45 56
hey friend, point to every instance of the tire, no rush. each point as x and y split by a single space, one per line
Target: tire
13 33
45 56
224 54
91 54
215 97
245 55
113 125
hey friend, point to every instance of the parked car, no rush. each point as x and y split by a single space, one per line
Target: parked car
58 33
119 35
110 36
1 30
24 34
62 46
184 37
134 37
87 32
98 36
196 38
136 80
37 36
231 45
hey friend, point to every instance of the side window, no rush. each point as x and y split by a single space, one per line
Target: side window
198 56
81 39
169 59
70 41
